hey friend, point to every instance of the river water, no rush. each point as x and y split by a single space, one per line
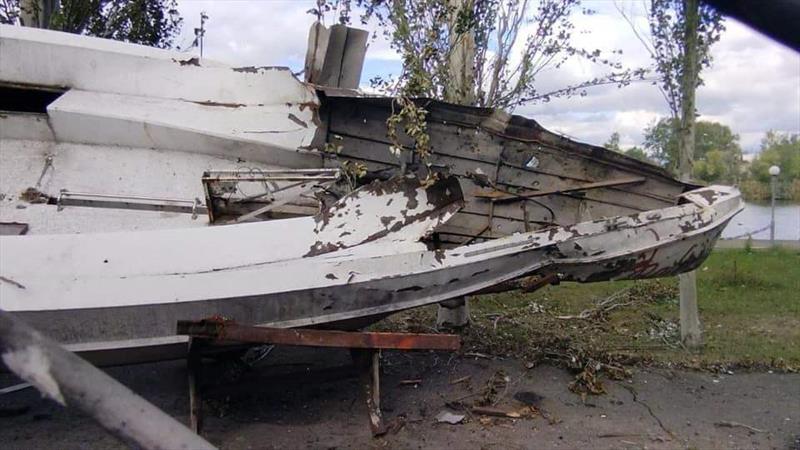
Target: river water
757 215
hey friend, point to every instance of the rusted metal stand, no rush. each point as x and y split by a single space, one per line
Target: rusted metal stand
194 366
365 348
368 362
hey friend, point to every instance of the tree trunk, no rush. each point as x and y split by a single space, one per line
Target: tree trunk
460 89
37 13
690 319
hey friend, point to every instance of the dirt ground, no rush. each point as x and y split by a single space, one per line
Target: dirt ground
297 398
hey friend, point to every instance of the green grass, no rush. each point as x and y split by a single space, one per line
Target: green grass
749 308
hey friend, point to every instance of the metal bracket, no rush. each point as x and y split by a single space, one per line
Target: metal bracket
227 193
132 202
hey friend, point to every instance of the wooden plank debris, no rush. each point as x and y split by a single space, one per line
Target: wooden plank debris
227 331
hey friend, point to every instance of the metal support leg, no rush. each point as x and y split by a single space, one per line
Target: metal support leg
195 399
369 367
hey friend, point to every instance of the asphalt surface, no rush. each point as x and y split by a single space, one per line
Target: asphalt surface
312 399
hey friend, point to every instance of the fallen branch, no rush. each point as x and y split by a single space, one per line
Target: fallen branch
496 412
477 355
461 380
602 307
738 425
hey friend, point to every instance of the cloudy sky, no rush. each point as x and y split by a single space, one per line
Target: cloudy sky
753 85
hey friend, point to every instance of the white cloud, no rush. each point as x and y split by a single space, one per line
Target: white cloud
753 86
250 33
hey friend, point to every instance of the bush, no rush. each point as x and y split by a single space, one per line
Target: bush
753 190
793 190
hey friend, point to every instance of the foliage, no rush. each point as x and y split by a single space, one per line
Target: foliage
681 35
507 44
667 36
633 152
754 190
749 307
638 153
777 149
717 152
9 12
613 142
412 117
147 22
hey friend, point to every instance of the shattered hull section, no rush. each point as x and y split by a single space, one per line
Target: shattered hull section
349 285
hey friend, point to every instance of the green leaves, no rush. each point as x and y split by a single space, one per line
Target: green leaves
717 152
666 20
148 22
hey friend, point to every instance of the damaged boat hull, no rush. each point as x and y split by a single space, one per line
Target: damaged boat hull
358 285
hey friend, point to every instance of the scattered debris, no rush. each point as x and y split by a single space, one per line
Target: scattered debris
448 417
496 412
33 195
618 435
495 388
664 330
477 355
414 382
587 382
461 380
396 424
727 424
604 306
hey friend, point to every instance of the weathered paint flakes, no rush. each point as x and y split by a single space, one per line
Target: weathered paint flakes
33 366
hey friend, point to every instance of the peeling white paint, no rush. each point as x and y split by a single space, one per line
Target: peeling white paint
31 364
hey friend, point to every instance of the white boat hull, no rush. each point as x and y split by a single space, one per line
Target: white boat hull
351 286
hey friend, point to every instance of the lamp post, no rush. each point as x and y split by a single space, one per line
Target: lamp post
774 171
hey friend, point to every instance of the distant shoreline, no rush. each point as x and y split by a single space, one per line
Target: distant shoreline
757 243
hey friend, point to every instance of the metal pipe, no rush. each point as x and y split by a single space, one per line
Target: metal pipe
87 195
71 381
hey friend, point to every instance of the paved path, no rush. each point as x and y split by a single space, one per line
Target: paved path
287 404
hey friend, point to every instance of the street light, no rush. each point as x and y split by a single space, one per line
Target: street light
774 171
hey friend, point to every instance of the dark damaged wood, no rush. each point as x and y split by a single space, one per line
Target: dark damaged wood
561 181
227 331
502 196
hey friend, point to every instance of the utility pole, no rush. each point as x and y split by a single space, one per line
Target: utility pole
689 315
199 33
